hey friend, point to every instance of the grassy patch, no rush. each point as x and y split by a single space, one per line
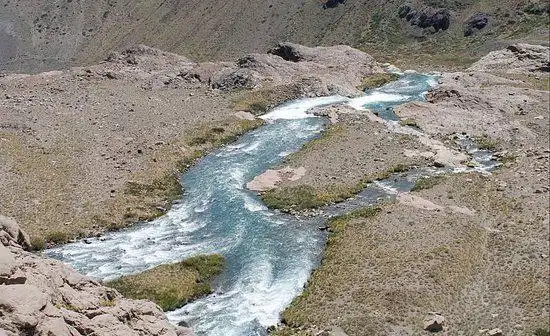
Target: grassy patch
541 332
427 182
217 136
294 315
38 243
303 197
409 122
56 237
171 286
260 101
286 331
377 80
485 143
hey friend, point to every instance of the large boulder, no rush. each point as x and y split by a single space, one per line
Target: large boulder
430 20
475 23
517 58
12 235
320 70
40 296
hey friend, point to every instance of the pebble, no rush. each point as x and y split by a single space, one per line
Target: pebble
495 332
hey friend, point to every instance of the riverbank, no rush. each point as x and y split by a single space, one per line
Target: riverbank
472 248
99 148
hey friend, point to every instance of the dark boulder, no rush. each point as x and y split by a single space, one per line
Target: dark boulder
428 19
287 51
333 3
475 23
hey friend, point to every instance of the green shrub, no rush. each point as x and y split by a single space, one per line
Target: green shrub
57 237
427 182
377 80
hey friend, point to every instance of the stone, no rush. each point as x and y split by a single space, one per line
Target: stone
495 332
7 261
12 234
22 299
55 326
333 3
475 23
434 323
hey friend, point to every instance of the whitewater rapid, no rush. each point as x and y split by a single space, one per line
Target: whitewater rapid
269 255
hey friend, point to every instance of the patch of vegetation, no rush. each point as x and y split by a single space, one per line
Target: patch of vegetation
294 315
38 243
427 182
303 197
377 80
260 101
485 143
57 237
409 122
172 286
107 303
542 332
217 136
286 331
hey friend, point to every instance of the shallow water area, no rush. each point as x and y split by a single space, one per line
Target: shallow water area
269 255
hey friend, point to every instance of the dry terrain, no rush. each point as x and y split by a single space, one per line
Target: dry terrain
473 248
43 35
101 147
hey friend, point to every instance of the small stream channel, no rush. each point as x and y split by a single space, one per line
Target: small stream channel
269 255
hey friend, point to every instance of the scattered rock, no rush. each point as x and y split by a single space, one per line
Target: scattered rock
333 3
434 323
426 17
494 332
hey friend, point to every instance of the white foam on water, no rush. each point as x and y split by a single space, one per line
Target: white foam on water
375 97
285 153
298 109
386 187
253 205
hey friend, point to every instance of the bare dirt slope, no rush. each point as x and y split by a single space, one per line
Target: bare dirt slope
42 35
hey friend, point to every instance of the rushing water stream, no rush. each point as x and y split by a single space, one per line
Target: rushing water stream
269 255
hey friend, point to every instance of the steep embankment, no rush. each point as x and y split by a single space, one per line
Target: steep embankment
41 35
41 296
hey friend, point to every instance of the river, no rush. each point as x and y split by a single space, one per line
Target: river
269 255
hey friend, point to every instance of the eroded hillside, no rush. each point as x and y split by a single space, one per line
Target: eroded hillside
44 35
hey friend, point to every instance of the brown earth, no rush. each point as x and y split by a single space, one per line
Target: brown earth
470 247
100 147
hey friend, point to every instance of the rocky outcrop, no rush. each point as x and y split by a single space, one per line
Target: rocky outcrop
320 70
333 3
516 58
475 23
40 296
429 19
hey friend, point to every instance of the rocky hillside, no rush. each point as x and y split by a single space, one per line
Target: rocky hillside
41 296
42 35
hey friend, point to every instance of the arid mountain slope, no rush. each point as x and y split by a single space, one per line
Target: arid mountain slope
42 35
